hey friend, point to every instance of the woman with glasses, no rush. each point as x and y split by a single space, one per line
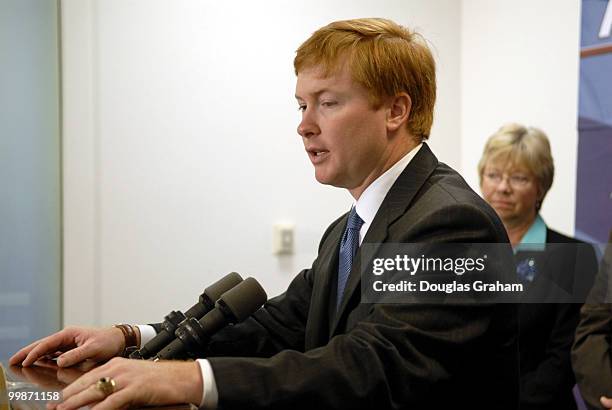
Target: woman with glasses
516 171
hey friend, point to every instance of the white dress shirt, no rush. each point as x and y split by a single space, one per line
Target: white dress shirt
367 206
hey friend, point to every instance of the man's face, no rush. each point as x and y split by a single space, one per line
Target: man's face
345 138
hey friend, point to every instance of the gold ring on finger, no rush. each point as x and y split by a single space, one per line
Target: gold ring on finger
106 385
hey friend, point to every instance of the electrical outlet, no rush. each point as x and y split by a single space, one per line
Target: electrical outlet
282 239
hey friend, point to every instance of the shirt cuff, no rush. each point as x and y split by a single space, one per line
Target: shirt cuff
146 334
210 395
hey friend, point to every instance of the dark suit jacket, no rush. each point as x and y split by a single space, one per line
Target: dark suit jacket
546 330
592 350
296 352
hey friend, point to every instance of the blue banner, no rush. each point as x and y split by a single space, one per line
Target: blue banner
594 179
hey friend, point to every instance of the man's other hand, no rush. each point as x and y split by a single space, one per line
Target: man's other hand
73 344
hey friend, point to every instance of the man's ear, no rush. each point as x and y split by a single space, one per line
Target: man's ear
398 111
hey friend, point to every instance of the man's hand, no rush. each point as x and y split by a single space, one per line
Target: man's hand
75 345
137 383
606 402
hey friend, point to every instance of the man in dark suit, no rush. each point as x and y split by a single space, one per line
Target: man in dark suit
592 350
378 356
366 89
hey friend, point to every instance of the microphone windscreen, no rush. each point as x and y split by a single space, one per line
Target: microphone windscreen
244 299
221 286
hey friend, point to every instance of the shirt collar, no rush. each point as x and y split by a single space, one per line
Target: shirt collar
535 237
370 200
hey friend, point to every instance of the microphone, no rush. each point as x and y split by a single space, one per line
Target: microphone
173 320
233 306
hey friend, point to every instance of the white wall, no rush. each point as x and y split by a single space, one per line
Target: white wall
180 149
519 63
180 144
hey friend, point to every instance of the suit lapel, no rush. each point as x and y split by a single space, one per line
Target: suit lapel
317 331
394 205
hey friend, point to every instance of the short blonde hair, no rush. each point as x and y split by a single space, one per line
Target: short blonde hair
520 145
383 57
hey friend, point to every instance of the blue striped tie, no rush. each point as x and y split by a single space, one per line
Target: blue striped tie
348 249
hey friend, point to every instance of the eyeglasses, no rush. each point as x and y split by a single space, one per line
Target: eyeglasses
516 181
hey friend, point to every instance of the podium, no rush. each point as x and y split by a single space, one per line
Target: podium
4 401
